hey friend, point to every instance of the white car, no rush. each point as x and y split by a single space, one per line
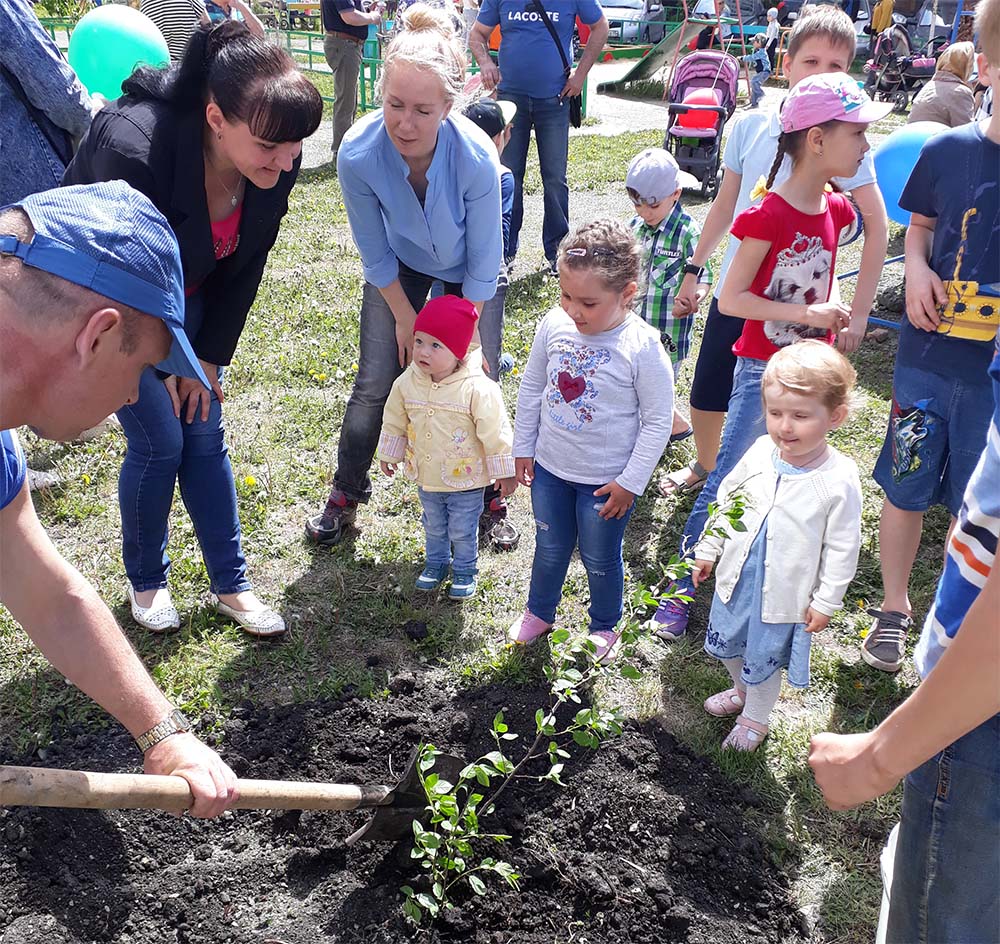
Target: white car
635 21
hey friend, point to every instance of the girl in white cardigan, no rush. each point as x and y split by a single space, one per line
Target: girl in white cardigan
781 578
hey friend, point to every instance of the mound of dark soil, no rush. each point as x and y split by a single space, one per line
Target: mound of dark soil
647 843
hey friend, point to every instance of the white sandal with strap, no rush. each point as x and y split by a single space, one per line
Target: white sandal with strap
746 736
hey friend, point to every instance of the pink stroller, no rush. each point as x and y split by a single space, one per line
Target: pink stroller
702 100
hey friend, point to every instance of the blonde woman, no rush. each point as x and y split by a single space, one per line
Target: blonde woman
421 185
948 98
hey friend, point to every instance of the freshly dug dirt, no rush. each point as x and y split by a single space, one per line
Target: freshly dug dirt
647 843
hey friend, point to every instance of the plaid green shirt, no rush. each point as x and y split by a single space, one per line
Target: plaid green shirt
666 249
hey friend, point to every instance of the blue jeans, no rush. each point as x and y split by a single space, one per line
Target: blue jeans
378 367
566 513
744 426
451 521
550 119
164 450
757 81
947 866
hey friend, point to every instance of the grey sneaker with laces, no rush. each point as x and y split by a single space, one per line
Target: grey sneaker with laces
885 645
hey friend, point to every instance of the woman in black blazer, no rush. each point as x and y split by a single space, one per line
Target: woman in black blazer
215 142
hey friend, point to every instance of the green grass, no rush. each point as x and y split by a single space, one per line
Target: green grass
286 395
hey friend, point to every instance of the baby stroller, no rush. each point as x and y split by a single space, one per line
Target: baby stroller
702 100
894 73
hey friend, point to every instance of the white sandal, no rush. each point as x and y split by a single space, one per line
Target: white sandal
260 622
161 619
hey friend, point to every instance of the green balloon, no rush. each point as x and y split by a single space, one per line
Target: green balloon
109 42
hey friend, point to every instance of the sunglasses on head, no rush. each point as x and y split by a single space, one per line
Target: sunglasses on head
643 201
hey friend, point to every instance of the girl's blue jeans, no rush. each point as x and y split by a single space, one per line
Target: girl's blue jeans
451 522
744 426
566 514
164 450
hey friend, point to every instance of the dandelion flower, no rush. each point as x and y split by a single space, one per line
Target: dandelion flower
249 481
85 478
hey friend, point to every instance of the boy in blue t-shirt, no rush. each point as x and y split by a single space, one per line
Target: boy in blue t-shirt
941 392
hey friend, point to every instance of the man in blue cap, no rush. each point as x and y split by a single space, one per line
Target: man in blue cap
91 293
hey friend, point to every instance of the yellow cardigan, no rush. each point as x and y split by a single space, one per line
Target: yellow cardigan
453 435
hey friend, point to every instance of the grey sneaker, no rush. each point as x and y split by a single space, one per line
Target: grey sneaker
329 527
885 644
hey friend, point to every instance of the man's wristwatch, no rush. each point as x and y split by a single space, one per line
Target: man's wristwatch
174 723
697 271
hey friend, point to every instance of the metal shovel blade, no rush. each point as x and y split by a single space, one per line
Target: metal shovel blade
405 802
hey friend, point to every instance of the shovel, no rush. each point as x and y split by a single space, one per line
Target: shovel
395 807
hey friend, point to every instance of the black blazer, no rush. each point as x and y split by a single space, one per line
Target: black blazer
158 151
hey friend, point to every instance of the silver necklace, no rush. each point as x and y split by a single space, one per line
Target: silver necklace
234 195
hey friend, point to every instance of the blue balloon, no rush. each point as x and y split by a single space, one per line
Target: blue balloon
896 157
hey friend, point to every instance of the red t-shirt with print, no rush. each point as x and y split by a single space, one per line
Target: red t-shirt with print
798 268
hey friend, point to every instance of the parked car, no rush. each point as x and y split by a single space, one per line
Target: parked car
635 21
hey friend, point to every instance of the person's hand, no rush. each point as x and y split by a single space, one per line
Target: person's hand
574 84
700 292
816 622
404 336
175 401
213 785
849 340
524 471
388 468
701 571
830 316
97 102
489 74
924 293
845 769
197 397
619 500
507 486
684 300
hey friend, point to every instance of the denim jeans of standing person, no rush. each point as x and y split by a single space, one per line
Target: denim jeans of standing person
757 81
343 56
378 367
451 524
744 426
164 450
946 873
566 515
550 119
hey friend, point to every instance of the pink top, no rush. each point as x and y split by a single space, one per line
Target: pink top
225 238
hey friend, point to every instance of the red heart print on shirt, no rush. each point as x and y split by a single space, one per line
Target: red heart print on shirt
570 387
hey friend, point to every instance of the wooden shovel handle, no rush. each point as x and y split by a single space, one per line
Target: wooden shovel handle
78 789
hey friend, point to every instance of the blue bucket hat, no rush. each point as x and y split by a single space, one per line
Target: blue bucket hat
112 240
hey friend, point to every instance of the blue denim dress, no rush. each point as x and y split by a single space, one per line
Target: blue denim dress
736 631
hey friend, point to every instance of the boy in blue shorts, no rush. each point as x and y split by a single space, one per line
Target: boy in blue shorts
941 392
667 236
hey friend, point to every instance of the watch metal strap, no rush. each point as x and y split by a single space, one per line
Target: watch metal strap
174 723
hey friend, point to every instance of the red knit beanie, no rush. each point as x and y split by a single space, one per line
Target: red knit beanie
449 319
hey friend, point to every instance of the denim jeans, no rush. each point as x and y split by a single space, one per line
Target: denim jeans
162 450
567 513
946 873
451 521
378 367
550 119
744 426
757 81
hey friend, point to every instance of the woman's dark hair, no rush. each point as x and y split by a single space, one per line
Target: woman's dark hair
249 78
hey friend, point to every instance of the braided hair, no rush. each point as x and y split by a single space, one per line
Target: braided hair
791 143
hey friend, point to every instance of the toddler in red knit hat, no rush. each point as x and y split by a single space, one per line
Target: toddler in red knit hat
446 422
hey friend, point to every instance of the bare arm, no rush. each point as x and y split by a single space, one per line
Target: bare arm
737 299
924 288
359 18
78 634
961 693
716 225
876 226
595 44
479 43
249 17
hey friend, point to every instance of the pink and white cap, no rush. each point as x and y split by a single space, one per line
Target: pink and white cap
830 96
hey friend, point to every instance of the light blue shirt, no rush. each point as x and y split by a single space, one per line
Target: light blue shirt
455 236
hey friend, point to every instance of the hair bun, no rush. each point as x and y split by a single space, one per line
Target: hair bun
419 17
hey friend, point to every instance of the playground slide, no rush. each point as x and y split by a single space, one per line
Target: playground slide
658 56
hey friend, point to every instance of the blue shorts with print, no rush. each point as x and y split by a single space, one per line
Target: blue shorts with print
937 432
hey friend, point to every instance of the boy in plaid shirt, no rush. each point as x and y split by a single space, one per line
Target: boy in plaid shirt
667 236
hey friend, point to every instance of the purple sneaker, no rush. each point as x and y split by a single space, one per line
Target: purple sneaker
670 621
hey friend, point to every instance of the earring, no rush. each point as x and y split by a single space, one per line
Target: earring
220 135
